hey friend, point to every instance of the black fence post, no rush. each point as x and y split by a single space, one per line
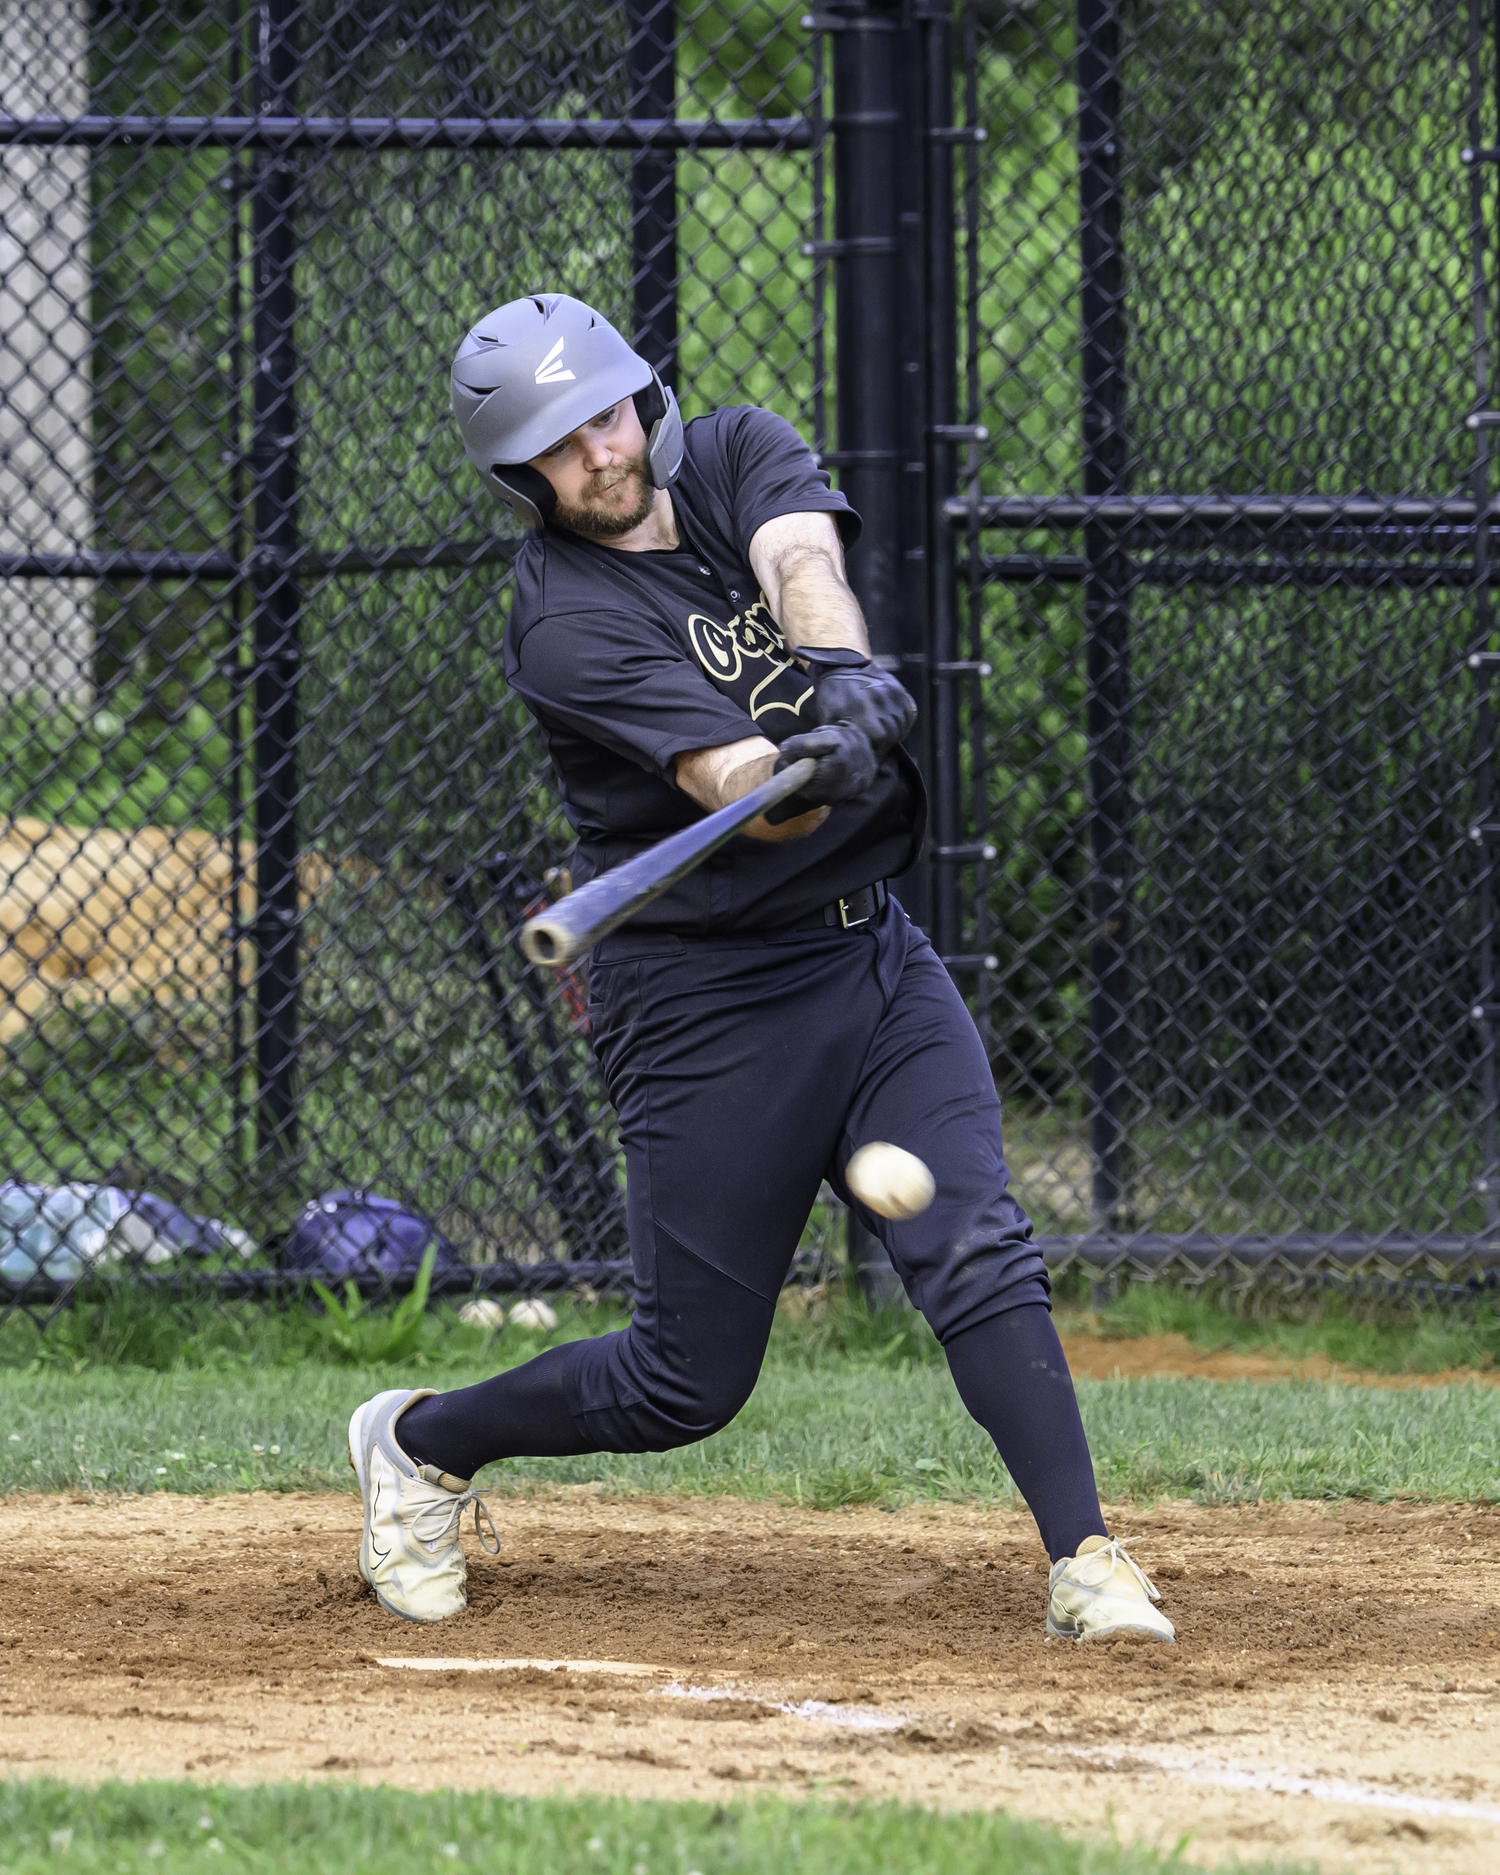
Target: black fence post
867 45
276 599
1106 599
1482 661
906 639
939 274
869 395
651 59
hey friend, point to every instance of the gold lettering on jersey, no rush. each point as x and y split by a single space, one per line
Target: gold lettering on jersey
751 636
717 646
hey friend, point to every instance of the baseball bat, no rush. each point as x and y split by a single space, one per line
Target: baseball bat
564 931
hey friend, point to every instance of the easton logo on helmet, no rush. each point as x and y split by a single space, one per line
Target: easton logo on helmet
550 370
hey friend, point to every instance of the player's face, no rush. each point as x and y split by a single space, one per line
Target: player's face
599 474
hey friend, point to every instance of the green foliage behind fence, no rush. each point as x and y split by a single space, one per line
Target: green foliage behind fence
1296 238
1296 241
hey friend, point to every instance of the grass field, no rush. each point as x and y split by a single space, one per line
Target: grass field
123 1397
164 1827
848 1410
821 1439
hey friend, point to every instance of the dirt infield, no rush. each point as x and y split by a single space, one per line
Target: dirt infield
1103 1356
1336 1692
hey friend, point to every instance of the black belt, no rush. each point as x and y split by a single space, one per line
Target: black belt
855 908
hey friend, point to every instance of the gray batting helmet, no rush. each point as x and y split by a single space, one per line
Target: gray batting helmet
533 370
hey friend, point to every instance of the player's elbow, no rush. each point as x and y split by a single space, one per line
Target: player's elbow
802 567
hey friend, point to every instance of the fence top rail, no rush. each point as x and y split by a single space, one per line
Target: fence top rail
1205 1251
1269 568
1437 1257
1208 514
128 563
503 1277
412 133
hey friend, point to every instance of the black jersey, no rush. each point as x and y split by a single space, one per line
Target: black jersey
628 660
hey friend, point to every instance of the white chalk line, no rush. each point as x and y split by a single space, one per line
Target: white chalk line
442 1663
1219 1776
1284 1783
818 1711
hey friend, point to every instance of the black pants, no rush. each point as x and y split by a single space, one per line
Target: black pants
744 1072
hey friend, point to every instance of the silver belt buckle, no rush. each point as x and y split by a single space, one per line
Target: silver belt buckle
846 921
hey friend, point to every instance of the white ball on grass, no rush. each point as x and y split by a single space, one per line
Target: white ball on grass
483 1312
890 1180
532 1312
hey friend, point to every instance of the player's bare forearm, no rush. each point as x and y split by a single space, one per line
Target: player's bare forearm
715 777
799 562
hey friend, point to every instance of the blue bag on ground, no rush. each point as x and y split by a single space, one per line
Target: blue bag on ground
356 1233
65 1231
55 1230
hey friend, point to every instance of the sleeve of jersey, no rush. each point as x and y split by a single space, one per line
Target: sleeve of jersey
774 473
611 682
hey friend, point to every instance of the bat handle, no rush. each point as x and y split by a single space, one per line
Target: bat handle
562 933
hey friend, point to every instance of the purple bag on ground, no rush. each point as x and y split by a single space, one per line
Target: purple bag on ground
356 1233
197 1236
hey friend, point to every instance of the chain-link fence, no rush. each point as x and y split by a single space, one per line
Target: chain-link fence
269 810
1228 273
1149 340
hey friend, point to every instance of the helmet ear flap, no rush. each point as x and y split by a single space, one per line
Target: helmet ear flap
651 403
662 421
525 491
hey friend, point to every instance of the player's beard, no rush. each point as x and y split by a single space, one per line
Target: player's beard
617 510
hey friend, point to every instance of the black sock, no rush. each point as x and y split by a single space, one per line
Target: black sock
523 1413
1013 1376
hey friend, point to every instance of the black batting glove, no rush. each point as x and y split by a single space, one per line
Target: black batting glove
846 767
849 688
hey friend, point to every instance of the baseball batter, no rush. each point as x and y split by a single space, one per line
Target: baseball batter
681 627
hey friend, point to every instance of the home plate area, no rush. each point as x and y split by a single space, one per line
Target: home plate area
1335 1693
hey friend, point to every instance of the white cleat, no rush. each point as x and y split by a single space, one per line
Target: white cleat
410 1553
1102 1591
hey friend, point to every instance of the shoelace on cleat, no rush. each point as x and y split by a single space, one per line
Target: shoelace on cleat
1115 1549
449 1514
